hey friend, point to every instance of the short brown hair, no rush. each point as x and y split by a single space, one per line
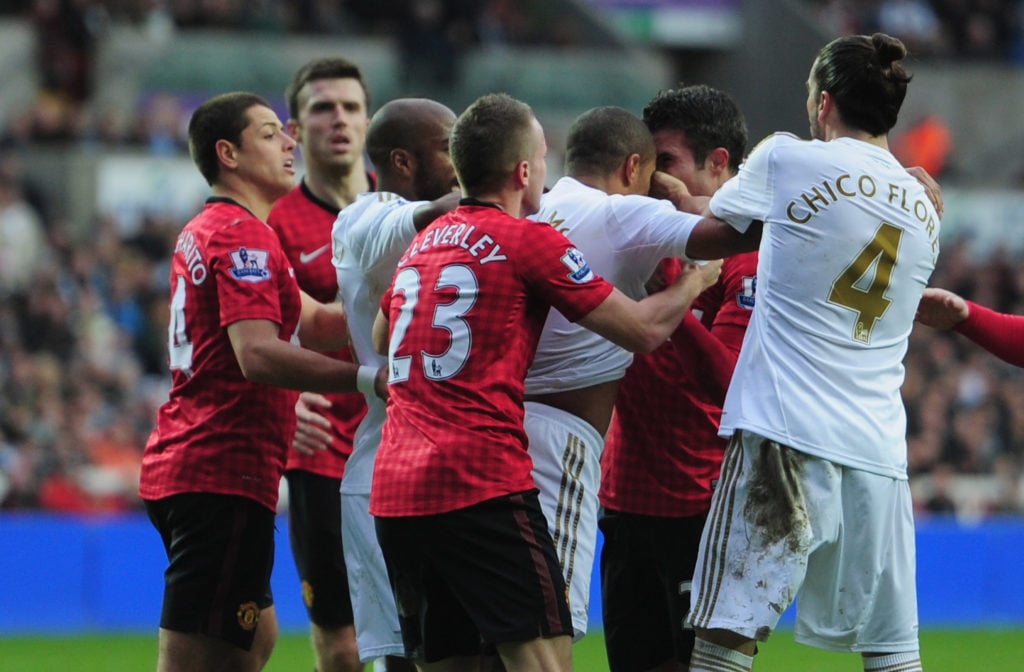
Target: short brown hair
489 140
222 117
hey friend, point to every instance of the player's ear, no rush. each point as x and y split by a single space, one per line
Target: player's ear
291 127
227 153
717 160
521 175
402 162
630 169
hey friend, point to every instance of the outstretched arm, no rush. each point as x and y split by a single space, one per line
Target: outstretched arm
999 333
643 326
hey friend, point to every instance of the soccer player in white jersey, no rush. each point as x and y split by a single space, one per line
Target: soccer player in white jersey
408 145
813 498
602 206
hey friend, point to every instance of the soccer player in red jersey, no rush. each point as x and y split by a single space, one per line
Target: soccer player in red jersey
327 107
467 546
663 453
999 333
213 464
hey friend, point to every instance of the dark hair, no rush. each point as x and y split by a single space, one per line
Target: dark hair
222 117
864 76
708 118
489 139
602 138
322 68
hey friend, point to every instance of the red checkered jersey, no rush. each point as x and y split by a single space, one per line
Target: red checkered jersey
218 432
303 222
663 452
466 309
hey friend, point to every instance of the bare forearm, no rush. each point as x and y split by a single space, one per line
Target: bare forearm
324 326
285 365
714 239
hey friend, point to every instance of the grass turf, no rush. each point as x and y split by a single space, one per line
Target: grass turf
942 651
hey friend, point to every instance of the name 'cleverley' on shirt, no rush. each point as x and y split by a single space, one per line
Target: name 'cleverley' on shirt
810 203
457 235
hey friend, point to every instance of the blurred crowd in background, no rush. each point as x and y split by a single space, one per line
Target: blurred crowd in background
83 321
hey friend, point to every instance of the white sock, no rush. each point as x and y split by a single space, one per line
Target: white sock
909 661
708 657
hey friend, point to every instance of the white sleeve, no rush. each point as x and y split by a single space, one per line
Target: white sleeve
642 225
378 234
747 197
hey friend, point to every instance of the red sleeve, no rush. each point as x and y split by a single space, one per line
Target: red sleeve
250 268
718 348
999 333
716 361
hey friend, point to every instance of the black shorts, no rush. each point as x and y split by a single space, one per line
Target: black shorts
466 580
314 530
220 552
647 565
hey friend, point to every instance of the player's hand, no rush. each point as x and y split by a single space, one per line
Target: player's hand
313 432
705 272
931 187
380 383
673 189
941 309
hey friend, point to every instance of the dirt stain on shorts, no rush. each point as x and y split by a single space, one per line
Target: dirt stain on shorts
775 502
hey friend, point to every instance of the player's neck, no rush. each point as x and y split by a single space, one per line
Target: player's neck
249 198
842 131
508 201
338 189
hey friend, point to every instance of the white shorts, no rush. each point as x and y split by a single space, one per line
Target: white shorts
566 454
783 521
373 603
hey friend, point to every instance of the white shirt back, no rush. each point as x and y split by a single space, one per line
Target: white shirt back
368 239
623 238
849 242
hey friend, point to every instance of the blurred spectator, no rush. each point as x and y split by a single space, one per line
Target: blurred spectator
926 143
23 245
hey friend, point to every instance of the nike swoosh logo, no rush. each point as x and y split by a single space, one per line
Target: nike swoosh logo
306 257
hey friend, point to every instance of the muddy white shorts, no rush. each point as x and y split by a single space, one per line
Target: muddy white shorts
786 524
566 454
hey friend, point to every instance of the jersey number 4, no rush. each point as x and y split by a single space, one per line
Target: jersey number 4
178 345
447 316
859 289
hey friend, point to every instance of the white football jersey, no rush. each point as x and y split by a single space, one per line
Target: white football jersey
623 238
849 242
368 239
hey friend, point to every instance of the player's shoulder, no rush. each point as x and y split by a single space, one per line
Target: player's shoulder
780 140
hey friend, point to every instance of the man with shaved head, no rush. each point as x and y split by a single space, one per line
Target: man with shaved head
408 145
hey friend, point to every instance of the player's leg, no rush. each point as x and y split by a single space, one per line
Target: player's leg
217 608
566 453
314 531
754 548
634 608
377 630
845 608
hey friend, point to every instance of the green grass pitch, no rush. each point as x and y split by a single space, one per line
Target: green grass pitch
942 651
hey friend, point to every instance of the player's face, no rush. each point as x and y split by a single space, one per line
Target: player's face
435 174
266 157
538 171
332 123
676 159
